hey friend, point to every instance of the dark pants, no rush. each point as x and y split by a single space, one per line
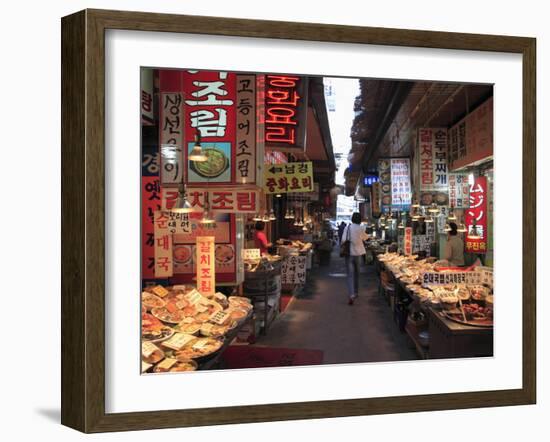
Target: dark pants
352 269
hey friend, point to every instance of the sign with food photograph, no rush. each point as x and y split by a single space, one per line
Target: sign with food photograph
184 262
384 170
210 112
285 111
163 246
459 191
245 149
288 178
206 270
476 214
225 258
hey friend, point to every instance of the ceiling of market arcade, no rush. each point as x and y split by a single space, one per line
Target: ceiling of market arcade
389 112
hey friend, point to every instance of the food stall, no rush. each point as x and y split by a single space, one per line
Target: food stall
447 312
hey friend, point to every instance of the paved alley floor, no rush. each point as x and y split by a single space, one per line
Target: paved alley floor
320 318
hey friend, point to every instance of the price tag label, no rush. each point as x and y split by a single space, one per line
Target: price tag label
148 348
167 363
251 254
160 291
193 297
145 366
181 304
178 341
207 328
219 318
200 344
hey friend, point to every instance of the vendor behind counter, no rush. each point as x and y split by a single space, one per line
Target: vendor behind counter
260 238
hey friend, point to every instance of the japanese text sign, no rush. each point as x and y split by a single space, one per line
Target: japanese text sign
288 178
432 155
285 110
477 214
206 266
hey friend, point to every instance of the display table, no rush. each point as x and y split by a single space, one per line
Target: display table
449 339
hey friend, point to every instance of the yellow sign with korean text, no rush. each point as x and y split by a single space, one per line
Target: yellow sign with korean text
206 265
288 177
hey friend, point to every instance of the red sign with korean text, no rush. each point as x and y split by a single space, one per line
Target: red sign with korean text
408 241
210 109
478 213
285 110
151 202
206 265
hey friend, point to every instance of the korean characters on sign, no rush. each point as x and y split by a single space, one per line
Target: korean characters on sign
164 264
210 112
150 202
400 182
146 97
285 105
245 171
432 144
459 190
293 270
408 241
231 200
476 215
288 178
206 267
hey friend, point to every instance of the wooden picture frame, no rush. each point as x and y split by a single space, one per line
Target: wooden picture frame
83 216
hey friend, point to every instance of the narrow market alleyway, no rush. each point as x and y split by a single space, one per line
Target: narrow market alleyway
320 318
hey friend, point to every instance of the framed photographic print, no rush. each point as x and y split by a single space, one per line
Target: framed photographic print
213 167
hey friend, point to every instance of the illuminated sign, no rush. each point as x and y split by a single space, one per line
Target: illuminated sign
285 102
370 179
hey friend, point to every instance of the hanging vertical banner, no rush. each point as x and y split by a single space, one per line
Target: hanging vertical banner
164 264
477 213
150 202
146 98
171 127
400 182
459 191
206 271
210 111
408 242
245 167
432 157
285 111
375 198
384 170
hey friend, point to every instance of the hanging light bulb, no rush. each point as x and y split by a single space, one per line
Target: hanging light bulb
278 195
401 225
182 205
447 227
257 217
462 228
208 219
272 216
196 153
428 219
433 208
451 216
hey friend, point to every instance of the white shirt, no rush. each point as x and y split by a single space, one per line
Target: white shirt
357 235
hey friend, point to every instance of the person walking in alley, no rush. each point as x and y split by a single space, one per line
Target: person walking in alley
355 234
